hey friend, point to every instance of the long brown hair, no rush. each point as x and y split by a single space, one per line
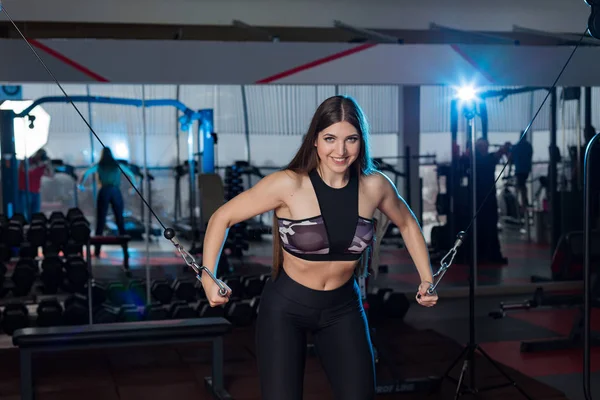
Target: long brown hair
331 111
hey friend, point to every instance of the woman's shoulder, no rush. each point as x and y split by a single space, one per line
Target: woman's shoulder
375 180
287 178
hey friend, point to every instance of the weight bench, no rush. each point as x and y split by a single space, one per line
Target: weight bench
35 340
123 241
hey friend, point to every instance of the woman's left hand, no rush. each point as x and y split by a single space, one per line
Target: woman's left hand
424 299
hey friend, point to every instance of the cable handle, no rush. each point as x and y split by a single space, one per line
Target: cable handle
169 234
446 262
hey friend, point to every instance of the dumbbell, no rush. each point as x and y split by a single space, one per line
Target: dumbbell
105 314
242 312
58 231
5 252
116 293
254 285
375 299
24 276
3 270
161 291
13 235
36 234
77 273
235 284
185 289
136 292
98 294
52 274
155 312
3 226
129 313
79 226
15 316
72 248
49 313
76 310
27 250
204 310
395 304
182 310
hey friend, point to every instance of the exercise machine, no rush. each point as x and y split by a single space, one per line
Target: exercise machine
136 228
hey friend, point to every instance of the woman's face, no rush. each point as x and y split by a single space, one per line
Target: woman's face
338 146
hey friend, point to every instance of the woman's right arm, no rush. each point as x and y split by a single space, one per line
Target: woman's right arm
268 194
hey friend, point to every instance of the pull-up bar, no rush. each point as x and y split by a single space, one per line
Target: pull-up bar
187 118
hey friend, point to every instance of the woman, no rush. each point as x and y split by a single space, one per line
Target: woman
323 206
109 176
38 165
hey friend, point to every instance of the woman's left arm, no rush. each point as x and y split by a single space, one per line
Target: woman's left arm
396 209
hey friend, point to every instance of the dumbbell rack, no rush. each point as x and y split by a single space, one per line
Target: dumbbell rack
237 238
57 233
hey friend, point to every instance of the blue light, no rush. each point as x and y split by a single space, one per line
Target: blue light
466 93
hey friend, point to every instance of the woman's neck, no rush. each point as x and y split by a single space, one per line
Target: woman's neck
333 179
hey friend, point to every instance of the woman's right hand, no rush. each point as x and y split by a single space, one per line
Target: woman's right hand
211 289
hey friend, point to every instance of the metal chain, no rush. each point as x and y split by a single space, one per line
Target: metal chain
198 269
445 263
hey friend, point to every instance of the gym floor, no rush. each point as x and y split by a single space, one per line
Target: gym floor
500 338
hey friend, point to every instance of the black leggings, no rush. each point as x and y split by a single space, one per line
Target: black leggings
337 321
109 195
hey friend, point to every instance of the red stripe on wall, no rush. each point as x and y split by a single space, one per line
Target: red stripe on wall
68 61
468 59
316 63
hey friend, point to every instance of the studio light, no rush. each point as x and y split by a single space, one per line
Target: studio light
466 93
31 132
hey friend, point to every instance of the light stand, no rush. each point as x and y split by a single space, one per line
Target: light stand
468 353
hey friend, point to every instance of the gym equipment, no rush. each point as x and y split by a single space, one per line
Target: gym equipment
58 231
36 234
52 274
60 167
129 313
77 273
76 310
105 314
182 310
385 303
237 238
122 241
161 291
14 235
15 316
242 312
575 337
135 228
3 270
184 289
155 312
253 285
79 226
204 310
49 313
24 276
566 265
33 340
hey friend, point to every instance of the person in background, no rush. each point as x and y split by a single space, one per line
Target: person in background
109 176
488 243
38 165
521 156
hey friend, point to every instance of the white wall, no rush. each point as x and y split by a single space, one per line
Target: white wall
549 15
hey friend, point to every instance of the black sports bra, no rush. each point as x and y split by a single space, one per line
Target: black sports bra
338 234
